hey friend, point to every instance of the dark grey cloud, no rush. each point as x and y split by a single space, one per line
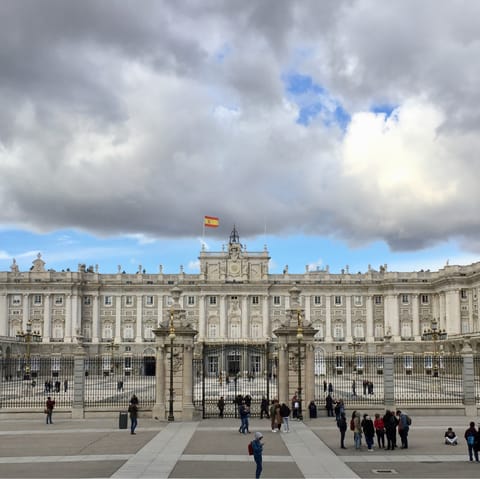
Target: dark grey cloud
117 118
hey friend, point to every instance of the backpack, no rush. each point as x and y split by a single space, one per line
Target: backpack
471 440
409 420
352 425
250 449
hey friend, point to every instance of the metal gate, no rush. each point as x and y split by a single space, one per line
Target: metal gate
234 372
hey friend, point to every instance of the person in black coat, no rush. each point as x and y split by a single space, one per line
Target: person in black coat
390 422
368 431
342 426
329 405
312 408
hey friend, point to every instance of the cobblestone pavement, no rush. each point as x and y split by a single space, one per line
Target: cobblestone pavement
96 448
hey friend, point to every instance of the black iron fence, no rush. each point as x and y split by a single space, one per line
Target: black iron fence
355 379
111 383
26 383
234 372
424 379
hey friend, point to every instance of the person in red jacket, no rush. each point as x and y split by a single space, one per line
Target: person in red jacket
49 405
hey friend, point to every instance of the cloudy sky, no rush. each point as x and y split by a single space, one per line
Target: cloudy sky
336 132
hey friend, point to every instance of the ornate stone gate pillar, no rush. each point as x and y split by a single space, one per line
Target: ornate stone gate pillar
174 380
296 354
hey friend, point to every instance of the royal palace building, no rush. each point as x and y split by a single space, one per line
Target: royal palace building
234 299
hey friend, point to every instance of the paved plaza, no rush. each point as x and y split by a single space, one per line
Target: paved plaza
96 448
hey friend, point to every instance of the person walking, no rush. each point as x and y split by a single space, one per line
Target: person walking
369 431
257 447
133 411
342 426
471 437
379 430
244 412
278 416
49 405
403 428
285 413
221 406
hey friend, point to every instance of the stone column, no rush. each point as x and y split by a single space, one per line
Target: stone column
416 318
369 308
388 374
139 319
244 332
348 312
307 300
188 407
159 409
75 316
283 367
328 318
78 411
96 319
118 319
26 311
470 311
47 318
265 321
68 319
309 391
159 309
4 329
223 316
468 381
201 317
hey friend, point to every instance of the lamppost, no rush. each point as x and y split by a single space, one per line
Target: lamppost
299 365
171 336
354 345
28 336
111 346
434 334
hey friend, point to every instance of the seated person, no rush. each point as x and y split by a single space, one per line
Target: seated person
450 437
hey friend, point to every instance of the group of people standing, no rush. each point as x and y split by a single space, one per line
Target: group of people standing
381 427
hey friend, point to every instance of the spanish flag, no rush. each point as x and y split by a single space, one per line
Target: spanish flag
210 221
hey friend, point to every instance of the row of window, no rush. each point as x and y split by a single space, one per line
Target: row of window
16 300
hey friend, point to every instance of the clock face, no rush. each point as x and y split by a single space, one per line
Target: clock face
235 268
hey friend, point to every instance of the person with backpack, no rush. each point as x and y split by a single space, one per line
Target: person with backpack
133 411
257 449
403 428
471 436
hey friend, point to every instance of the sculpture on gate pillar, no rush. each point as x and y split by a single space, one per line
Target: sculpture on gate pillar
174 340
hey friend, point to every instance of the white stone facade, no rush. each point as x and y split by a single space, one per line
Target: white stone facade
234 298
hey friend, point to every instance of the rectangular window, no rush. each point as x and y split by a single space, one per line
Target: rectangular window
107 300
212 300
424 298
58 300
16 300
149 300
338 300
87 300
37 299
254 299
405 298
317 300
276 300
191 300
378 300
128 300
463 293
